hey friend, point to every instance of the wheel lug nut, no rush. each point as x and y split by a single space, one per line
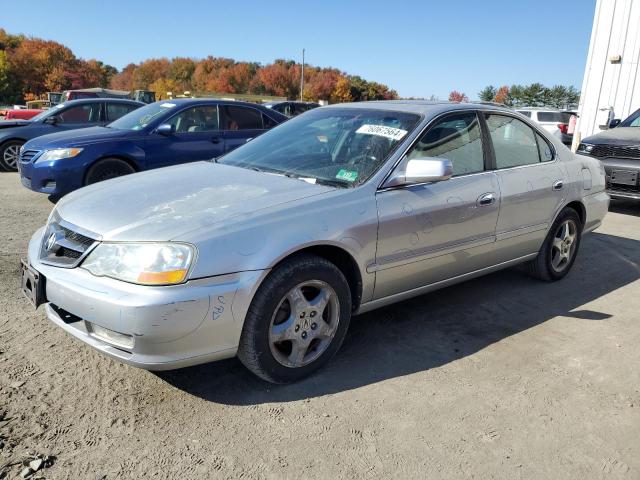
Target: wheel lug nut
302 315
314 326
313 314
297 328
304 335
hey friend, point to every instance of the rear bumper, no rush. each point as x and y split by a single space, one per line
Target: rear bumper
596 207
168 327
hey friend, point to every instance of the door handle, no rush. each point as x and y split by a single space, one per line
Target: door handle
215 139
486 199
558 184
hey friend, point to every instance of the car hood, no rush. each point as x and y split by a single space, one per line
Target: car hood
13 123
616 136
76 138
162 204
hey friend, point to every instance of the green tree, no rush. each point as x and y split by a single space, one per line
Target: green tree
488 93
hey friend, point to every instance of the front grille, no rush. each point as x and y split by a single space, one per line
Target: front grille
63 245
27 155
614 187
602 151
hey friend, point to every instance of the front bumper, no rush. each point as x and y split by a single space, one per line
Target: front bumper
618 190
170 327
56 177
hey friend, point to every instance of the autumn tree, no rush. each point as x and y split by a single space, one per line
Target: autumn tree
502 95
456 96
31 66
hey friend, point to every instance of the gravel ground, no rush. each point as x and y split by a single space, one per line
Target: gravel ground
500 377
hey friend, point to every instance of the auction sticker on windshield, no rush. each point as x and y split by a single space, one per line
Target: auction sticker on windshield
382 131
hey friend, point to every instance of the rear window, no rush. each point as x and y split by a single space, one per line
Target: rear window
240 118
555 117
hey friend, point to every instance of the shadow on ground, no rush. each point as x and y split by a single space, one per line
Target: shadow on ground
434 329
625 207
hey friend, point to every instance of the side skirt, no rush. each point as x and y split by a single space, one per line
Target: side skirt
398 297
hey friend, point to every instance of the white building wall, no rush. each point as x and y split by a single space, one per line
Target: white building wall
608 86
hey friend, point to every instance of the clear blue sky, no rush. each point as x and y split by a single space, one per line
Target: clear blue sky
419 48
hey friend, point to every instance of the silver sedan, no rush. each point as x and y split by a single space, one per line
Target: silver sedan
268 252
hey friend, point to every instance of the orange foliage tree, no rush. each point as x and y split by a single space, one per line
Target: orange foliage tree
456 96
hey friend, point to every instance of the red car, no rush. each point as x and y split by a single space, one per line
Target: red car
21 114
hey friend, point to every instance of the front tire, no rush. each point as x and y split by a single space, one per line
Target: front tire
560 248
297 320
10 155
106 169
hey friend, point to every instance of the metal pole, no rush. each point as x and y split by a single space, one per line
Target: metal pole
302 77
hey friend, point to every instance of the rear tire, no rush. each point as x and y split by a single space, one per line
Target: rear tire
560 248
106 169
297 320
10 155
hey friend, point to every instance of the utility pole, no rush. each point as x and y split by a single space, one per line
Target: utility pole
302 77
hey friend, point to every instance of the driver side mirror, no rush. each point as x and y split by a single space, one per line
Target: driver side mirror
614 123
420 170
166 129
52 120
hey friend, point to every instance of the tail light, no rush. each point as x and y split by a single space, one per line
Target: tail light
563 127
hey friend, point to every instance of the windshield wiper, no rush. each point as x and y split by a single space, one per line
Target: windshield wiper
317 181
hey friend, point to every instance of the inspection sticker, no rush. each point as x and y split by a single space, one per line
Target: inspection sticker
382 131
347 175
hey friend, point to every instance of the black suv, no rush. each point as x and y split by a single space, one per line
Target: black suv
619 151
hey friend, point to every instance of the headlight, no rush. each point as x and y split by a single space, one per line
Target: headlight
585 147
59 153
141 263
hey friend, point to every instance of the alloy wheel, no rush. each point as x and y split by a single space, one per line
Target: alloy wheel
304 323
11 155
563 246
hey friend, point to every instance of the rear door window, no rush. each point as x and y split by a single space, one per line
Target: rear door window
117 110
554 117
234 117
514 142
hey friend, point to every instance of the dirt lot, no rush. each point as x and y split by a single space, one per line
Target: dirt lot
501 377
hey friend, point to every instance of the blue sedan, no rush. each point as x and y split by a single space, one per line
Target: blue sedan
157 135
64 116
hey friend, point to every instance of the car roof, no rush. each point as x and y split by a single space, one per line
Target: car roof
538 109
422 107
102 99
196 101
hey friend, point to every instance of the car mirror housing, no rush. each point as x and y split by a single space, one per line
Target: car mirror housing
614 123
420 170
52 120
166 129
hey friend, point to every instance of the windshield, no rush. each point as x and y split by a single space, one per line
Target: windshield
632 120
47 113
341 147
141 117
